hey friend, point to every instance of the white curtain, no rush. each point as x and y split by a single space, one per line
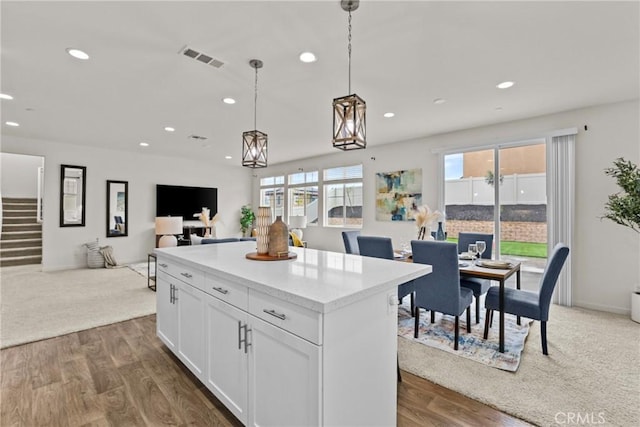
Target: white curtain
560 204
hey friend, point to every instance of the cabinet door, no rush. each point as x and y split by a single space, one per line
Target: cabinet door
191 318
284 378
227 356
166 311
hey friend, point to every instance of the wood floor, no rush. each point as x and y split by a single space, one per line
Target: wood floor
122 375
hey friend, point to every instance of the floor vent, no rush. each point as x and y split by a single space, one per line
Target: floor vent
201 57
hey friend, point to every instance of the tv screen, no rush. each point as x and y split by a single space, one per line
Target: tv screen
177 200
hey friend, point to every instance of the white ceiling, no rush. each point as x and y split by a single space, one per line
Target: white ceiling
562 55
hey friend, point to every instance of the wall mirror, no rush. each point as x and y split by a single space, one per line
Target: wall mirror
72 195
117 208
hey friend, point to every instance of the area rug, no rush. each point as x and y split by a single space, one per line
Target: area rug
592 371
35 305
142 268
473 346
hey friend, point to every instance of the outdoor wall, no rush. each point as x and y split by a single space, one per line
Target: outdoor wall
613 131
63 247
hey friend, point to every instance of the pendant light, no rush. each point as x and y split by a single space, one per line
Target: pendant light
349 112
254 142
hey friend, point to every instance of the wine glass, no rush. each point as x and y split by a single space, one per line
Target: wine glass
473 250
482 246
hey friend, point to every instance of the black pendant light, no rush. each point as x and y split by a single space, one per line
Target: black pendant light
254 142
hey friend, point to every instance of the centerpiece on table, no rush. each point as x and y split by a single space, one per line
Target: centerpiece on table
209 223
425 217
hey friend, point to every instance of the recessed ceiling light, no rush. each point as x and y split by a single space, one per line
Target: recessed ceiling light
5 96
144 144
504 85
169 129
389 114
307 57
14 124
228 157
498 108
229 100
439 101
77 53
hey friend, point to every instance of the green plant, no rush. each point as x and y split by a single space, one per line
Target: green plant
623 207
247 217
488 178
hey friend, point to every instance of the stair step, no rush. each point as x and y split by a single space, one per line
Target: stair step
21 235
23 260
21 227
20 252
19 220
16 213
19 200
20 243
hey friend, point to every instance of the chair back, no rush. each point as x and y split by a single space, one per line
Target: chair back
375 246
350 239
464 239
550 277
118 219
440 290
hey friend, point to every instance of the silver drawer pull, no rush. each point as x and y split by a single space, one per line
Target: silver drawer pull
274 314
163 265
221 290
187 275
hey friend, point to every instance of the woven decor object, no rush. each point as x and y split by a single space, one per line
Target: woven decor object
263 220
278 238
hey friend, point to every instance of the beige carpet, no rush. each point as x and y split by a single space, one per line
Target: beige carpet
35 305
592 372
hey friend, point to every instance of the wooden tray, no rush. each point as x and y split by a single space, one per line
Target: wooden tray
260 257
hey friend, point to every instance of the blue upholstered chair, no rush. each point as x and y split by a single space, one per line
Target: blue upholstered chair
350 239
478 286
225 240
381 247
440 291
534 305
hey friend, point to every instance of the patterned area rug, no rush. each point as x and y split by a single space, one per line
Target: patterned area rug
471 346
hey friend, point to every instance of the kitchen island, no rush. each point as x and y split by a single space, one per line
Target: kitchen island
308 341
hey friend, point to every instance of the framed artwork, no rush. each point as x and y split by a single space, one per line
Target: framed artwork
398 194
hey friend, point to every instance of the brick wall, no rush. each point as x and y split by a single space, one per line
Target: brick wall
510 231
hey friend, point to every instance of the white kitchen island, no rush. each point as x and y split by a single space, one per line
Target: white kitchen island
309 341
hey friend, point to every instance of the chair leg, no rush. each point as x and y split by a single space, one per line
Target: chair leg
433 316
478 309
486 323
413 304
469 319
416 323
491 319
399 375
457 333
543 334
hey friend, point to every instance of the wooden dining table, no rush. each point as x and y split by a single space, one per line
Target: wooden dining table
500 275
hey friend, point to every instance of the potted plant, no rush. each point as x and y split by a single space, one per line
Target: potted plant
247 217
623 208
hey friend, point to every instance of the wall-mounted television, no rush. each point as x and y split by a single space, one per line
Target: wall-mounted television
178 200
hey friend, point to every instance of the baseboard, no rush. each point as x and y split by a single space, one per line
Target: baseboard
607 308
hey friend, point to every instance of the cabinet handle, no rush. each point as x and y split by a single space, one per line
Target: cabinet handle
164 265
187 275
246 342
273 313
239 335
171 288
175 298
221 290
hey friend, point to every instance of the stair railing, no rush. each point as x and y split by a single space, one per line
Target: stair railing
40 181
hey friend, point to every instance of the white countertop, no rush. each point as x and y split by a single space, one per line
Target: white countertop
319 280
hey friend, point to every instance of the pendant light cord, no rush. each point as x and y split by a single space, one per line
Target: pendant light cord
255 102
349 92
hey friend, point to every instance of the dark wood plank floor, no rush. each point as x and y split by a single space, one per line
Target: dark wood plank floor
122 375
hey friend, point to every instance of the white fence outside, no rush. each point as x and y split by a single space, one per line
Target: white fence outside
516 189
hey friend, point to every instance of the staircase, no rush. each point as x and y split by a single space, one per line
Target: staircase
21 241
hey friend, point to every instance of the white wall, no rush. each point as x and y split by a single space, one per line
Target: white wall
19 175
62 247
605 255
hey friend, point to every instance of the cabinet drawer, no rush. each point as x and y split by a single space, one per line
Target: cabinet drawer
298 320
233 293
182 272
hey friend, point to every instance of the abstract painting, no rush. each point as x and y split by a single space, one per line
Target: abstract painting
120 201
398 194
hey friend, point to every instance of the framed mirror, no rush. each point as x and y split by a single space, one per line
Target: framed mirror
72 195
117 208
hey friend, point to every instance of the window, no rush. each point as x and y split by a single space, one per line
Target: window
303 198
272 194
343 196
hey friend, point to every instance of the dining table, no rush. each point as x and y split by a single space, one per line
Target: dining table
499 273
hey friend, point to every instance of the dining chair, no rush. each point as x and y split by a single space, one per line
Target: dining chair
478 286
534 305
350 239
440 291
382 247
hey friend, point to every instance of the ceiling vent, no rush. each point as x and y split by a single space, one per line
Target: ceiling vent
197 137
201 57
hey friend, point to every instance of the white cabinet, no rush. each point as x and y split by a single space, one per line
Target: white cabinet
167 311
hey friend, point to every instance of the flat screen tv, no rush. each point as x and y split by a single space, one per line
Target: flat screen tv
177 200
